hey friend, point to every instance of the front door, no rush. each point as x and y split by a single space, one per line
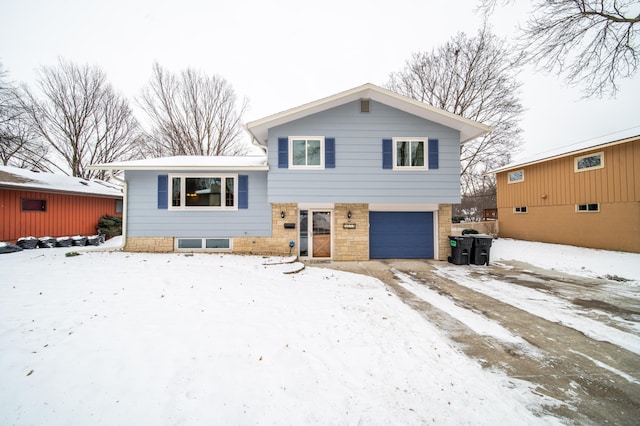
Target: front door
315 234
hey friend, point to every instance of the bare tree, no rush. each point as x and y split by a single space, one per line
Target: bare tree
81 118
592 43
192 114
476 79
18 146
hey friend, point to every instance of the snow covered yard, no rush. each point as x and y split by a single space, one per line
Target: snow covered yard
121 338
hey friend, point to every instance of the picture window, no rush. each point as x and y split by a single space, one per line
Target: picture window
203 192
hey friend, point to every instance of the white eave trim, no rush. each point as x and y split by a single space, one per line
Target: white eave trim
469 129
179 168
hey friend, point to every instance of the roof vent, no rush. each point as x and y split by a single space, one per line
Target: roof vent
364 105
84 182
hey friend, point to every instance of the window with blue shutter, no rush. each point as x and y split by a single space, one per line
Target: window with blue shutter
163 191
243 192
387 153
330 153
283 153
433 154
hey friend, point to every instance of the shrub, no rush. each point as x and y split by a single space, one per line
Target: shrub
110 226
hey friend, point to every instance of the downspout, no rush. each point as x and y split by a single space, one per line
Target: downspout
125 202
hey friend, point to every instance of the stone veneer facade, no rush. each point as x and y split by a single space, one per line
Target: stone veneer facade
348 244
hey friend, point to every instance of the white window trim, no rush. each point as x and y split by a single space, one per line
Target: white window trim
306 138
203 244
593 154
520 207
425 142
515 181
184 207
587 210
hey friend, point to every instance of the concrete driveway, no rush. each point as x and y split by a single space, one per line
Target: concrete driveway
598 382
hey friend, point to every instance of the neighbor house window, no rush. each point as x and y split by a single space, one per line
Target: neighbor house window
210 244
203 192
517 176
522 209
589 162
306 152
593 207
30 205
118 206
408 153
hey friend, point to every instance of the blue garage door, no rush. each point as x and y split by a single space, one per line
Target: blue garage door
401 235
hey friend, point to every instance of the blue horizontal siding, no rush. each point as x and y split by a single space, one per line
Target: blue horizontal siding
358 175
144 219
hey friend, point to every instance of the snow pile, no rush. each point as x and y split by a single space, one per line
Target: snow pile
121 338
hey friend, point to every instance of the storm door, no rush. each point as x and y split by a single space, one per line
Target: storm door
321 234
315 234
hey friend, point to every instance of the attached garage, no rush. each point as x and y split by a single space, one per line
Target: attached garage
401 235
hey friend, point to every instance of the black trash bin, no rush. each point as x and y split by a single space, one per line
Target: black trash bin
481 249
460 249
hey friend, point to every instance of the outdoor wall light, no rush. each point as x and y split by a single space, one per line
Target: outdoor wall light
282 215
349 215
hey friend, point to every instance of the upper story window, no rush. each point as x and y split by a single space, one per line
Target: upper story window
589 162
306 152
517 176
409 153
203 192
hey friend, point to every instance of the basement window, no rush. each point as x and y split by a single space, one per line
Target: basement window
31 205
593 207
522 209
204 244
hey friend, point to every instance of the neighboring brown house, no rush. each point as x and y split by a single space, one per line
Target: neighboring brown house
588 197
50 205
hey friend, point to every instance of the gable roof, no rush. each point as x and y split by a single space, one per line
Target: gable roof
190 162
469 129
16 178
570 150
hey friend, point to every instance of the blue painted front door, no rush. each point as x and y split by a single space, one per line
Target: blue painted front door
401 235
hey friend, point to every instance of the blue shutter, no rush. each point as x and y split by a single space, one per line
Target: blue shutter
433 153
283 153
243 192
330 153
387 154
163 191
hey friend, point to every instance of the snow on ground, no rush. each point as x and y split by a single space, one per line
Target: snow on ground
123 338
573 260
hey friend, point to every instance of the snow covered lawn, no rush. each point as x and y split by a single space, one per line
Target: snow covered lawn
121 338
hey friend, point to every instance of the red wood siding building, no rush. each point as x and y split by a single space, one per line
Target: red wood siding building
42 204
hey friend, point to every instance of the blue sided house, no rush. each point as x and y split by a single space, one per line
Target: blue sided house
363 174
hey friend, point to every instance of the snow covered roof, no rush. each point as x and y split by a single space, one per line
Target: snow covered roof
15 178
567 150
190 162
469 129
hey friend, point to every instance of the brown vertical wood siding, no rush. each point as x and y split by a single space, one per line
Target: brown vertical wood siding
552 189
66 215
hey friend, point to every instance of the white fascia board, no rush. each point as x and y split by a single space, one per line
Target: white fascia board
469 129
116 166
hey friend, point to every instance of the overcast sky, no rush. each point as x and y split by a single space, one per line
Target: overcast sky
280 54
